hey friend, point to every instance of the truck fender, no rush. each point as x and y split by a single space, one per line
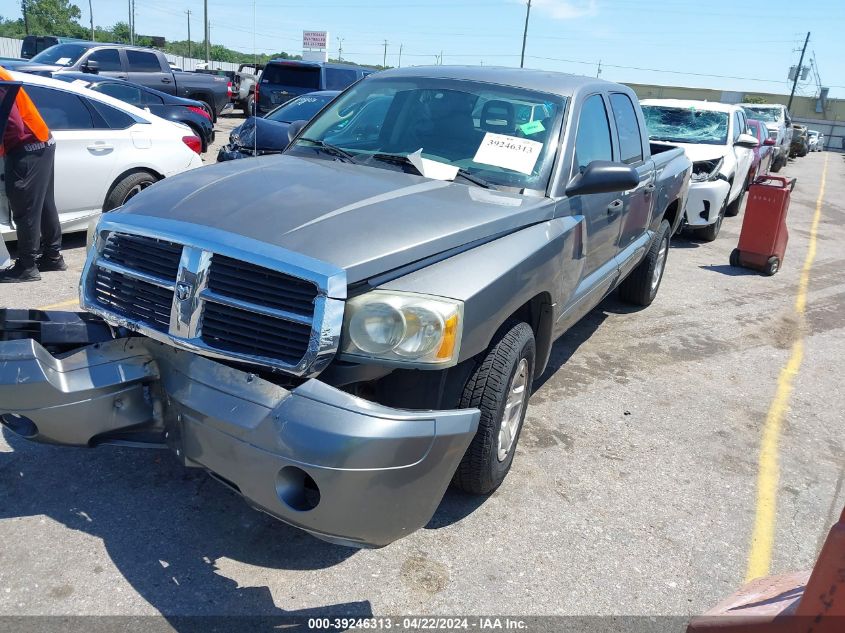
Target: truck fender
528 274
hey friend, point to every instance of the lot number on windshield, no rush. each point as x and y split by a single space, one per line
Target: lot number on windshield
508 152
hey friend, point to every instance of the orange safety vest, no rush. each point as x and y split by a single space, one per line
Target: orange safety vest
29 113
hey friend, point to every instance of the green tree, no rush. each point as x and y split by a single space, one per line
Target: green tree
753 99
54 17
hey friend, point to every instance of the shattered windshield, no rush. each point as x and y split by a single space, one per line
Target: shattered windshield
443 128
686 125
772 115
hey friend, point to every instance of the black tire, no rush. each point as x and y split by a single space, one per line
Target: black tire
772 266
127 187
210 109
776 166
710 232
734 258
732 210
249 110
482 470
641 286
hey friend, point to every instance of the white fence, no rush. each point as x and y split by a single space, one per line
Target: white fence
10 47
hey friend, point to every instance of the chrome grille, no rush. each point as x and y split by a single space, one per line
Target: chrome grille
133 298
220 295
147 255
261 286
244 332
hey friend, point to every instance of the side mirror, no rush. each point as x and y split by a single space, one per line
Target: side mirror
90 66
603 176
769 141
747 141
294 129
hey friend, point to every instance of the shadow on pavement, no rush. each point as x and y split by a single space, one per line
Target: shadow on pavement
164 526
568 344
730 271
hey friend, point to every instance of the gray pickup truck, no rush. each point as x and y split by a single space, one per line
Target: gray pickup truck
144 66
339 332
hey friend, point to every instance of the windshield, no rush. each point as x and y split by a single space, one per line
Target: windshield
299 109
772 115
686 125
60 54
505 136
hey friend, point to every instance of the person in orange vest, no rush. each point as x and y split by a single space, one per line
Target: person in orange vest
30 152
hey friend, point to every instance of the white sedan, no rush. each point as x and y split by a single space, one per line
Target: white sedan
716 138
106 150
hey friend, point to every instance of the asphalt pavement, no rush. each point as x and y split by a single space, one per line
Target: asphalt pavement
634 489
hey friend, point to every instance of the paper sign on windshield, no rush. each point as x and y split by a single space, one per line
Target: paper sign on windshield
63 61
508 152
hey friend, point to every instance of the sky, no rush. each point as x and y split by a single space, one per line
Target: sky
743 45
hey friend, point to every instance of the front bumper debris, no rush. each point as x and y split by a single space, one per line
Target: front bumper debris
345 469
705 201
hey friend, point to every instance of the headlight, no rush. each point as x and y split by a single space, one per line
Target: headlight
403 328
703 170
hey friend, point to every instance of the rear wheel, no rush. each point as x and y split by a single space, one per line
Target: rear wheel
641 286
249 110
772 266
127 188
500 387
734 259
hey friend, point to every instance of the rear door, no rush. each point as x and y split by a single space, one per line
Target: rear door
145 68
638 202
87 151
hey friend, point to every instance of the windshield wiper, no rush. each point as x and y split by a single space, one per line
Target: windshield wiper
476 180
398 159
334 150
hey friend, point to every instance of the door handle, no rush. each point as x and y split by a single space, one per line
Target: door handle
121 76
165 80
614 207
100 146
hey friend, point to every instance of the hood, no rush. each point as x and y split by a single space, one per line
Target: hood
270 135
366 220
701 151
34 69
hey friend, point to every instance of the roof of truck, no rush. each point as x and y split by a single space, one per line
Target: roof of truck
541 80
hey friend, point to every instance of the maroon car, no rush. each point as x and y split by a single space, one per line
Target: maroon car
763 153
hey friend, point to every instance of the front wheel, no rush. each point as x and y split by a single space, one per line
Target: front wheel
500 387
641 286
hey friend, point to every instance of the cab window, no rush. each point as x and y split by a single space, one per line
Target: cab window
592 140
627 128
108 59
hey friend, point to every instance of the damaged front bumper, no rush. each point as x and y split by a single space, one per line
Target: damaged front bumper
704 202
345 469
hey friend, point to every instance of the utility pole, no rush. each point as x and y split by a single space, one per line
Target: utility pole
340 49
25 16
91 13
189 33
598 70
400 55
384 63
798 71
207 34
525 35
132 22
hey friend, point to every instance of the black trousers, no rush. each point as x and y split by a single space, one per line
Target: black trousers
29 188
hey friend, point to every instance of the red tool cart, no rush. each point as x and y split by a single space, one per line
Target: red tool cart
762 242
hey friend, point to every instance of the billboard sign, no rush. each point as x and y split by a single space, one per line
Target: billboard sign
315 39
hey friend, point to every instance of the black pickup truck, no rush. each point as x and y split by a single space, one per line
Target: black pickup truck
139 65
